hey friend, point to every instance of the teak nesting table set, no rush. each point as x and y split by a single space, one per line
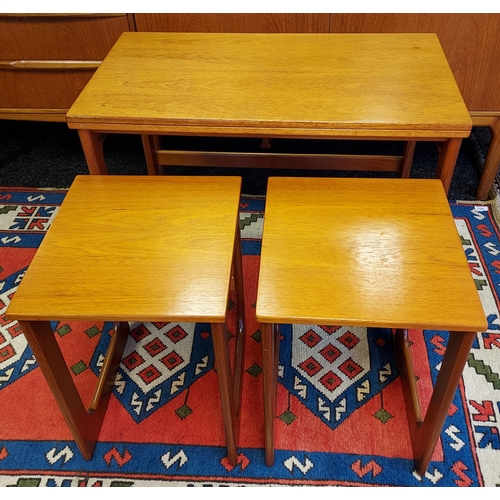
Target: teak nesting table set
370 252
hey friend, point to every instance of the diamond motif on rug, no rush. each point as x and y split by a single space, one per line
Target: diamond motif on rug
335 370
333 362
160 361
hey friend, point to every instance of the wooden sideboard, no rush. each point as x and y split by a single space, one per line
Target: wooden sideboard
234 23
45 60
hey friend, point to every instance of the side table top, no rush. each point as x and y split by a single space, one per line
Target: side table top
135 248
364 252
254 84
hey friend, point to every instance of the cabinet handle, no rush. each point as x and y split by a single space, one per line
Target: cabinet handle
47 64
114 14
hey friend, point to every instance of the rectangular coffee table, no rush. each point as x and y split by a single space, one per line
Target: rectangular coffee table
136 248
373 253
309 86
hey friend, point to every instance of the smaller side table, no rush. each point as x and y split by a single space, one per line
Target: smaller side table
136 248
372 253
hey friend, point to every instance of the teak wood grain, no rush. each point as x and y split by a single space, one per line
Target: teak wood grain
471 42
90 266
234 23
341 85
65 36
47 59
373 252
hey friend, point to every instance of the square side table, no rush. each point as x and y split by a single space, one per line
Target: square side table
372 253
136 248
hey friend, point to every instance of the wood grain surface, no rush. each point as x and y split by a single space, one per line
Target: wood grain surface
366 252
308 85
135 248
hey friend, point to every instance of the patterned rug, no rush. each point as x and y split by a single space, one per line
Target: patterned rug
340 415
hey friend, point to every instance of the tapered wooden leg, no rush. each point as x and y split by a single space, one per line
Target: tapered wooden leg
448 154
240 313
408 153
408 380
425 434
110 366
276 335
266 143
84 427
223 362
92 144
270 376
491 163
150 143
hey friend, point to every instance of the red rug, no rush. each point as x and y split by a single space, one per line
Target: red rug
340 416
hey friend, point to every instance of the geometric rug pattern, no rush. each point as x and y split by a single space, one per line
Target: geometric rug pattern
340 416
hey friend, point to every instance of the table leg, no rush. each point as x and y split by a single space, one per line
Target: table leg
266 143
491 163
223 363
425 432
150 144
240 313
270 352
448 155
110 366
408 153
84 427
92 144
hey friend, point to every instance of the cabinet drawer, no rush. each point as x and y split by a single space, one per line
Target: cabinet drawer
41 89
65 37
47 59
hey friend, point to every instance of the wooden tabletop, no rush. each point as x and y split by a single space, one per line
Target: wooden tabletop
135 248
275 85
364 252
